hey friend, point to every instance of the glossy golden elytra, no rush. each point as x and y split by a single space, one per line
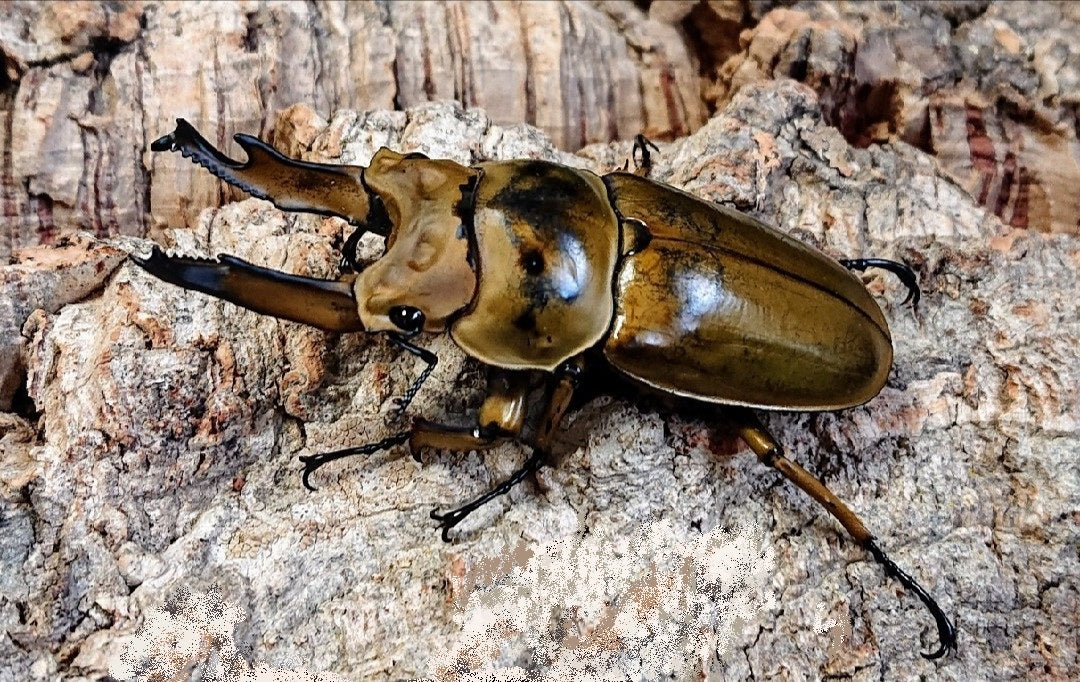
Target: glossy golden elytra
544 272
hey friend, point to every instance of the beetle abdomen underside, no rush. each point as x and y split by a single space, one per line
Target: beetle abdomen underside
728 311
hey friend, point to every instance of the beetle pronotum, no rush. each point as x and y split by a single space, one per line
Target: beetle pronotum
541 271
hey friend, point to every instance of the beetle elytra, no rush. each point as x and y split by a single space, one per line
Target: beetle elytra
541 271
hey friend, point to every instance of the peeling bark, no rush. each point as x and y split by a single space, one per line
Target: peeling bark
161 471
990 89
91 84
149 487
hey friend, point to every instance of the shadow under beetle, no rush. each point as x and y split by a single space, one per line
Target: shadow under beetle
538 270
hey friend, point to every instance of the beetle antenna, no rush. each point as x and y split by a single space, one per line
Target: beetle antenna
902 270
402 403
313 462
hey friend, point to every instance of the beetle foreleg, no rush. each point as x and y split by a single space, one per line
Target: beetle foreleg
771 453
427 356
422 434
427 434
902 270
291 185
313 462
567 378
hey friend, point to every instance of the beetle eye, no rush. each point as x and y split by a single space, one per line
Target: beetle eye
407 318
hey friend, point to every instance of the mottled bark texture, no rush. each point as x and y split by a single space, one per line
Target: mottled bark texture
992 89
88 85
152 522
158 470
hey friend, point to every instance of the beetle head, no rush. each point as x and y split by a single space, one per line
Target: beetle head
425 276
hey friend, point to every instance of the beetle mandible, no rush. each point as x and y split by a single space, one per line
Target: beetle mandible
541 271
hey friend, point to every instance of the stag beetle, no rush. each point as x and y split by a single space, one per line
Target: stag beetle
539 270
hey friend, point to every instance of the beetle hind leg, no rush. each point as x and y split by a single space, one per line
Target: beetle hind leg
902 270
771 453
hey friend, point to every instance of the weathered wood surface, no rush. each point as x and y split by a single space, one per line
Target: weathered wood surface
89 85
161 472
992 89
988 87
148 460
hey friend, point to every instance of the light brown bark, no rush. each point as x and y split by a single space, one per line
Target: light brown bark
149 485
89 85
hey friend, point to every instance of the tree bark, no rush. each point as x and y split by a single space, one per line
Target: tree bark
152 521
89 85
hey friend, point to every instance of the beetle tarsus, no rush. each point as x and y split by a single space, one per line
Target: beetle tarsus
452 518
902 270
348 251
313 462
946 630
402 403
641 146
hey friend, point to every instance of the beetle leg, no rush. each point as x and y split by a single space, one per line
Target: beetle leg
327 304
291 185
567 378
427 356
902 270
501 416
428 434
422 434
771 453
641 145
313 462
